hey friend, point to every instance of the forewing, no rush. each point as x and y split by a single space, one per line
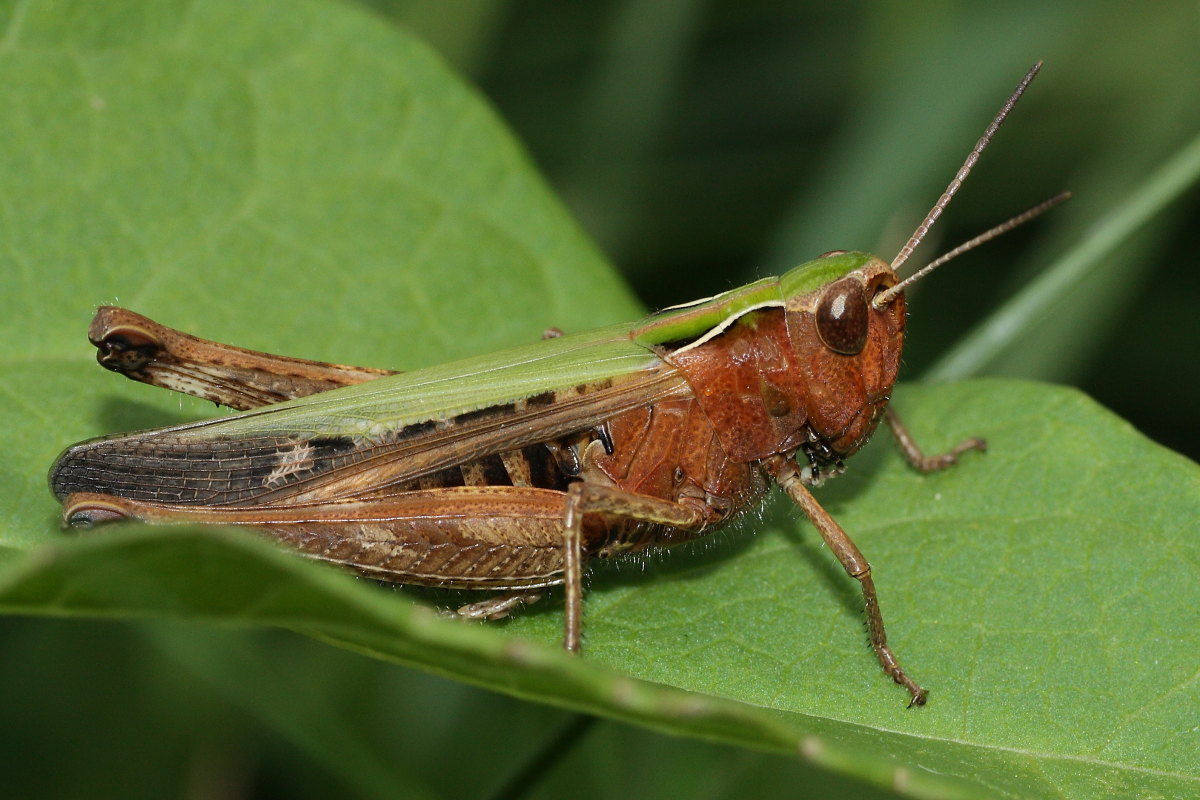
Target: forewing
350 442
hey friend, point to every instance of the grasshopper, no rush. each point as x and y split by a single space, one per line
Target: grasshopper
508 471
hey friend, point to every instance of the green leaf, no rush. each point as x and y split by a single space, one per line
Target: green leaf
300 178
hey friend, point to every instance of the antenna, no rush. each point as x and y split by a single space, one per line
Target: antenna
963 171
886 296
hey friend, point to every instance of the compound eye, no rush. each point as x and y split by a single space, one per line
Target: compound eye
842 317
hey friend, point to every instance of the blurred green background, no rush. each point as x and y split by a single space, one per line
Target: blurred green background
702 144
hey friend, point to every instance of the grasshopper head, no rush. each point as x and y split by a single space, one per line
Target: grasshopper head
804 361
816 378
847 347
